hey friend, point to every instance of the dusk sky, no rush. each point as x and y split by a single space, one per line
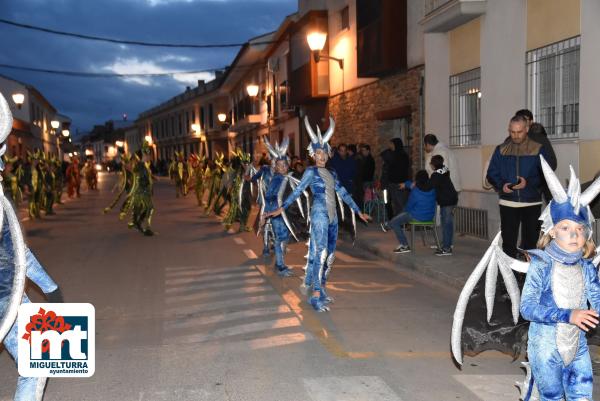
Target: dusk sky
90 101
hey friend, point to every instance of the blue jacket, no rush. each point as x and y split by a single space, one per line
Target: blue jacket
421 204
511 160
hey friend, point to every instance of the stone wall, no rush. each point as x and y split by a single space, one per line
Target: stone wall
355 114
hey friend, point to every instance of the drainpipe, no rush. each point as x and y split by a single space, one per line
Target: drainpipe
422 117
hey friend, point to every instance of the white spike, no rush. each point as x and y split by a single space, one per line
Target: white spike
554 185
329 133
311 133
319 135
6 119
573 183
590 193
575 196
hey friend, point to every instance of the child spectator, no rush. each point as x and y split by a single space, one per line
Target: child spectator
420 207
447 197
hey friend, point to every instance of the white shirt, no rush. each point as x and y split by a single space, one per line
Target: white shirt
449 161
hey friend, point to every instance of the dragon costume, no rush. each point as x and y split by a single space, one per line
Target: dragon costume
557 283
35 185
73 178
179 172
11 179
124 185
238 194
140 205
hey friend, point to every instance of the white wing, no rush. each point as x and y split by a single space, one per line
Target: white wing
493 260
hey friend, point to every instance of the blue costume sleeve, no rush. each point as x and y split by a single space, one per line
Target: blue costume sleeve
307 178
258 174
345 195
37 274
592 285
532 308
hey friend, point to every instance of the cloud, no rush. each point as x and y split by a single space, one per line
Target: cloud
136 66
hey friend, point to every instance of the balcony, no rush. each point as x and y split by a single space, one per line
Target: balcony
445 15
248 122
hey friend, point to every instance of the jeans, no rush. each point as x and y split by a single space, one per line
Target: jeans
447 216
396 224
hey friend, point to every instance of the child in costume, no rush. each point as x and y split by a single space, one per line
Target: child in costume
561 281
325 188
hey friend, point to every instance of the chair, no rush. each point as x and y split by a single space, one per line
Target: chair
424 225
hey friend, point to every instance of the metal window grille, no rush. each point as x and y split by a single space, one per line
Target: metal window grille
471 221
553 87
465 108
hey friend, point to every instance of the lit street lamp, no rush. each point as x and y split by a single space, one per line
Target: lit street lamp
54 124
119 144
66 133
18 98
222 117
252 90
316 42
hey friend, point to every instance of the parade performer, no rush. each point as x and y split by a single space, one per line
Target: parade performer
236 196
34 185
215 174
16 263
273 199
49 185
124 185
262 178
11 178
197 164
73 178
141 205
561 280
179 173
325 188
56 165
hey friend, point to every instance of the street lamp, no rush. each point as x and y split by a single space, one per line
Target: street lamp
252 90
222 116
18 98
316 42
119 144
196 128
54 124
148 139
66 133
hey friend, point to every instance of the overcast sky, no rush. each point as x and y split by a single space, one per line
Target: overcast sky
90 101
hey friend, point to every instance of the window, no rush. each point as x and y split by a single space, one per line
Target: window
345 18
465 108
553 87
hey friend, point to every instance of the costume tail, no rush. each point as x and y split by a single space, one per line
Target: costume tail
528 389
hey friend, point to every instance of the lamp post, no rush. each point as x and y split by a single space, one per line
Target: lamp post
316 42
252 90
18 98
222 117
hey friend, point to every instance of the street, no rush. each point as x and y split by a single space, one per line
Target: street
195 313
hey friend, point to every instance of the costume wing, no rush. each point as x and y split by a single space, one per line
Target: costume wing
493 261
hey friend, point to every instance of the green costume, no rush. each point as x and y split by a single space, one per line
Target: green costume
124 185
140 203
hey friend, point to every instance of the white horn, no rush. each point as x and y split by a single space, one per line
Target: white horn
554 185
284 146
272 151
329 132
573 183
6 119
590 193
311 133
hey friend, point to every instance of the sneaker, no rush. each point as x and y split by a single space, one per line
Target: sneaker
443 252
402 249
285 273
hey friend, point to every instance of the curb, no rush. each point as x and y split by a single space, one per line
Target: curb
410 263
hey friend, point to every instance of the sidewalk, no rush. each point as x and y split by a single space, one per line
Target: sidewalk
450 271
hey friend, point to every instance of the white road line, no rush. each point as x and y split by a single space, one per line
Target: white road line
220 284
491 387
203 270
353 388
278 341
201 273
205 307
222 317
239 241
208 294
211 277
344 257
236 330
250 254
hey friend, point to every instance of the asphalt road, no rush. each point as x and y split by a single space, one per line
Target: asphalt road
194 314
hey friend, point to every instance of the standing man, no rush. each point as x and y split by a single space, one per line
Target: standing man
396 170
434 147
515 172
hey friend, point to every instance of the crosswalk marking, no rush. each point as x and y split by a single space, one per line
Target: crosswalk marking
195 286
205 270
250 254
239 241
220 293
236 330
225 304
226 317
351 388
213 277
491 387
278 341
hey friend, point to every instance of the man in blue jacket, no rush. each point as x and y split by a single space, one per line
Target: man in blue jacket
515 172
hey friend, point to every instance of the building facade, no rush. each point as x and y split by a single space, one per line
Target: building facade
487 59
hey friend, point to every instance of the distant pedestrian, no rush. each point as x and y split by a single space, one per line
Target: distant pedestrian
434 147
344 166
396 170
365 166
447 198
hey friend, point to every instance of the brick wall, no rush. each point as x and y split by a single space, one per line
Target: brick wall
355 111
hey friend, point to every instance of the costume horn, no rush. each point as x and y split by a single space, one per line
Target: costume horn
589 194
554 185
329 132
6 119
311 133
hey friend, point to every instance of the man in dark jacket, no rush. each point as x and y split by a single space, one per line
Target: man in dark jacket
396 170
515 173
365 166
447 197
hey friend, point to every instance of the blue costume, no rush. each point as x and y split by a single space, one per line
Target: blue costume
263 178
17 263
325 188
557 283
